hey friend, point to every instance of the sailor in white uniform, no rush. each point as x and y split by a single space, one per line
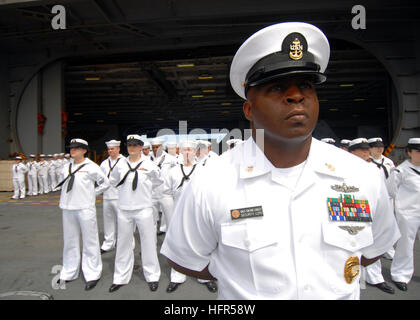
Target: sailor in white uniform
32 166
361 148
135 177
296 220
58 168
110 197
52 181
43 174
405 182
385 165
77 200
18 178
162 202
146 150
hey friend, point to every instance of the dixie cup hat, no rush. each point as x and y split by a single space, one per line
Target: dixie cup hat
113 143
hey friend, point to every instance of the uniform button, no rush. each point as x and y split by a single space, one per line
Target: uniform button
353 244
247 243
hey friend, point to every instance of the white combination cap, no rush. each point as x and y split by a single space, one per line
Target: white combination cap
359 143
146 144
134 139
113 143
283 49
75 143
414 143
375 142
328 140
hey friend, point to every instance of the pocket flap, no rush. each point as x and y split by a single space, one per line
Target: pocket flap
349 236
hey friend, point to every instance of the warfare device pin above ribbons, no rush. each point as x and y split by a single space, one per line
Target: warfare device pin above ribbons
348 208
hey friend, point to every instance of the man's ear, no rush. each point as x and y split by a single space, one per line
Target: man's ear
247 109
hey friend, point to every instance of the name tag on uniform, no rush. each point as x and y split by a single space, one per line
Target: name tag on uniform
246 213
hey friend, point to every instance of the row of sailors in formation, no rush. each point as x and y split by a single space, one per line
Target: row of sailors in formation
136 189
403 188
44 175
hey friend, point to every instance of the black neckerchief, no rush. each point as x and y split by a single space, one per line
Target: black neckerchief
416 171
111 168
381 165
161 161
185 177
136 175
71 176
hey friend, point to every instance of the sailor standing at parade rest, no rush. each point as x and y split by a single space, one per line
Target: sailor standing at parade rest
110 197
405 189
32 166
18 178
135 177
43 174
77 200
385 165
361 148
280 224
161 202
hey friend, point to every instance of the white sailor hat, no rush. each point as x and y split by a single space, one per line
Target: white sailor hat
55 155
67 155
134 139
203 143
359 143
375 142
78 143
49 155
328 140
32 155
18 158
61 154
283 49
344 143
188 144
146 144
156 141
171 144
113 143
414 143
42 155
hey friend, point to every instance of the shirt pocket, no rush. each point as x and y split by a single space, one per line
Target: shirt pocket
254 254
343 242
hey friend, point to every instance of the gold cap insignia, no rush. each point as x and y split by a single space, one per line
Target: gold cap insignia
351 269
353 230
296 50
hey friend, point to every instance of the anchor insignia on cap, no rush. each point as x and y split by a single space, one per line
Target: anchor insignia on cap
296 48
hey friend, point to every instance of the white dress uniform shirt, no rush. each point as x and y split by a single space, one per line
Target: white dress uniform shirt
405 188
43 177
148 179
83 194
295 250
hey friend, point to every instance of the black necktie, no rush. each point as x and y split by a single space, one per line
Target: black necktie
15 167
185 177
71 176
381 165
134 185
111 168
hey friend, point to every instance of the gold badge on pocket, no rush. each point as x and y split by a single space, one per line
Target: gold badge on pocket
351 269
